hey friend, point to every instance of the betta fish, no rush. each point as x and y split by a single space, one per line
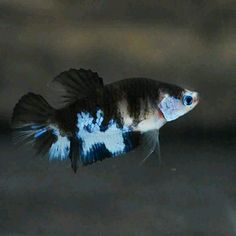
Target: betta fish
100 121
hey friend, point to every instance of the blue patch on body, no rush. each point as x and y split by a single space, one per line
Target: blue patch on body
39 132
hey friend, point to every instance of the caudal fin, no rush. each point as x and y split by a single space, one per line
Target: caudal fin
31 122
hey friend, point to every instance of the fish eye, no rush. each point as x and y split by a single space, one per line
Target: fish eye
187 100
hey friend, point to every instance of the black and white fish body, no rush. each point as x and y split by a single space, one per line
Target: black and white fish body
100 121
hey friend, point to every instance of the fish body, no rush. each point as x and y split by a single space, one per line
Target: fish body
100 121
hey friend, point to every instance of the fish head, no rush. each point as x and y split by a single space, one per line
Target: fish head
172 105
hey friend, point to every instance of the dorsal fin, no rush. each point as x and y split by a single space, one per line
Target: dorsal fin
79 83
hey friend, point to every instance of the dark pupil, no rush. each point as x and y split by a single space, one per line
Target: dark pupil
188 100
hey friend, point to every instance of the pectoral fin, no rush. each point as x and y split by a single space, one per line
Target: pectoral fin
150 144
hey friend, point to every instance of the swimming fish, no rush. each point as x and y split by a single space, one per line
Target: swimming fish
100 121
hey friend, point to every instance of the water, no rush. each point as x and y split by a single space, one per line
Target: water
189 43
192 193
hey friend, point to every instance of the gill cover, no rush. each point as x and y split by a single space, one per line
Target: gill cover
171 108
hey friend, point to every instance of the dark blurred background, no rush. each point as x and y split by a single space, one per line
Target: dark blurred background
190 43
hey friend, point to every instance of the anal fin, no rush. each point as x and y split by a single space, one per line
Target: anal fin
74 153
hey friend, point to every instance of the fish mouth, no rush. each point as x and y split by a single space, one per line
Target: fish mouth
194 95
196 98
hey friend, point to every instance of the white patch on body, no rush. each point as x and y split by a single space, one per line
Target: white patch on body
61 148
91 134
123 109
